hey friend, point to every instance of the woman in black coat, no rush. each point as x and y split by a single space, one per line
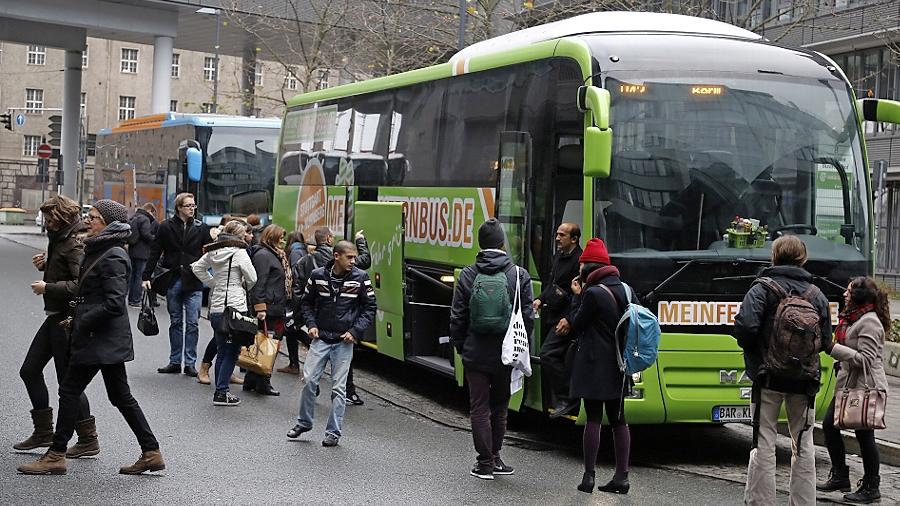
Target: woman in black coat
101 341
596 378
270 294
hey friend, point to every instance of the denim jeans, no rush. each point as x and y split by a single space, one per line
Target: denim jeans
135 291
184 314
320 353
227 354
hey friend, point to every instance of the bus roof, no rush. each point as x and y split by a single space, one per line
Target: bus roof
176 118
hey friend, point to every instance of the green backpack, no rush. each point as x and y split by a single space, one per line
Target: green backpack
489 305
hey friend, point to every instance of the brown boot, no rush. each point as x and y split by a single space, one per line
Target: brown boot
149 461
203 373
43 430
87 445
236 380
51 462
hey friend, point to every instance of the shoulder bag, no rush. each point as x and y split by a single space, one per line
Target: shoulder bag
147 319
860 408
239 327
260 356
515 350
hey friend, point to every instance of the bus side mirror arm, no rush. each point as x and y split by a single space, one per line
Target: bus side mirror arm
595 102
880 110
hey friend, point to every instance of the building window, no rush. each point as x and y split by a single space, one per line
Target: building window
31 145
84 58
173 106
126 108
209 68
206 107
257 74
290 80
34 100
37 55
176 65
83 104
322 80
129 61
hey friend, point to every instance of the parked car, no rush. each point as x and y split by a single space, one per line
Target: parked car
39 219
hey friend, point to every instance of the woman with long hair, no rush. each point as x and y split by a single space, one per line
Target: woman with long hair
600 301
296 249
100 342
269 295
233 272
60 265
858 348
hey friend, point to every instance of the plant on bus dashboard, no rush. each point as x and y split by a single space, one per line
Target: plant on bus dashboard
746 233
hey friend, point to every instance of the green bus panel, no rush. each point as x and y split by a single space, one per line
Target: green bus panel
534 385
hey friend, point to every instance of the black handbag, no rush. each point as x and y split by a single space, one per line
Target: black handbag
240 328
147 320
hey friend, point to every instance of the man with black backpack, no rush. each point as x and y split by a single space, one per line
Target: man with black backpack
480 315
783 325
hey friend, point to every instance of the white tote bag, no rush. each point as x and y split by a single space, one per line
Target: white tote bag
516 351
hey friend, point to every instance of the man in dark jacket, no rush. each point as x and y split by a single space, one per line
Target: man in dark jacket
553 302
488 378
751 327
143 232
338 306
180 240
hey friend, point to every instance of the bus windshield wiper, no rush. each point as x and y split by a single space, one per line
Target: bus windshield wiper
651 295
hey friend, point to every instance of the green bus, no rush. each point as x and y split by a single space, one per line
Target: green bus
652 131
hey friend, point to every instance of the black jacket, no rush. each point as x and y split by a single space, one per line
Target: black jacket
758 310
179 246
61 267
340 305
269 293
143 230
481 352
556 295
301 270
101 331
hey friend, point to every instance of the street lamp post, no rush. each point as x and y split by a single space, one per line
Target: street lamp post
215 102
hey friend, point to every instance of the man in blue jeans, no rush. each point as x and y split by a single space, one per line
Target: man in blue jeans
180 241
338 305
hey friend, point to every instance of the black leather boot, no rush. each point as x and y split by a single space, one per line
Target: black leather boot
838 479
618 485
587 482
868 491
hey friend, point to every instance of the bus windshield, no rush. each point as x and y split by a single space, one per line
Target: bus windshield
238 159
691 153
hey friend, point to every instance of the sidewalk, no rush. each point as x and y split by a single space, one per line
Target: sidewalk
26 235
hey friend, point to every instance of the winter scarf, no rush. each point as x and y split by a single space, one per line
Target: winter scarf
600 273
114 234
286 264
847 318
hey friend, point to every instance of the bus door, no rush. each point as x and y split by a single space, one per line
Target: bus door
385 230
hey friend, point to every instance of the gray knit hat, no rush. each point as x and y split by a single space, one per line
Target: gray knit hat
490 235
111 211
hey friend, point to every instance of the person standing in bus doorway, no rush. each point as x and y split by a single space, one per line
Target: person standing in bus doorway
488 378
755 328
180 241
553 302
600 301
338 305
143 233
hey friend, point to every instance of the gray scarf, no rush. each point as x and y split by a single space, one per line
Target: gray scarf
115 234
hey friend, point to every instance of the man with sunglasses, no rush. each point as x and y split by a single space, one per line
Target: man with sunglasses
179 241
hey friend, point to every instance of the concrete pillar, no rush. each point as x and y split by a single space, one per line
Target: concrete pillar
71 124
162 75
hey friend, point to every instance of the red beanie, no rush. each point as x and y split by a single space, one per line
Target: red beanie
595 252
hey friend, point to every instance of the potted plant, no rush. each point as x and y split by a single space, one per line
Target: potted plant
892 350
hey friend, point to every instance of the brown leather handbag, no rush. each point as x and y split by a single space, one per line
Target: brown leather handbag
860 408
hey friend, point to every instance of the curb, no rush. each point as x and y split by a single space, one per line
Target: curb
888 452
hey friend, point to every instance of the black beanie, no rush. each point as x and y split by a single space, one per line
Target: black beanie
490 235
111 211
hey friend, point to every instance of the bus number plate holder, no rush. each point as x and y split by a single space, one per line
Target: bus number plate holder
731 414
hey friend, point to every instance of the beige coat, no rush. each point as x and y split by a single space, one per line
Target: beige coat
863 348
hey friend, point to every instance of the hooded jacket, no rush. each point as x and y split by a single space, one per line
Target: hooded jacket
180 244
143 230
226 248
758 312
482 352
338 305
64 253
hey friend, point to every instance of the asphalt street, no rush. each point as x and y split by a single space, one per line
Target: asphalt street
407 445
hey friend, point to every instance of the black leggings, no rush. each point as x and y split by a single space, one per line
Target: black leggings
211 349
615 413
50 342
835 444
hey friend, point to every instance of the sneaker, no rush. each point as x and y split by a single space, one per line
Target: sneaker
330 440
483 472
297 430
500 468
565 408
354 399
225 399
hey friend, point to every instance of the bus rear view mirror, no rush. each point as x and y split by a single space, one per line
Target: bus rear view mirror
194 164
877 109
598 135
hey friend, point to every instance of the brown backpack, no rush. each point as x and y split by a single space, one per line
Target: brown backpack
794 340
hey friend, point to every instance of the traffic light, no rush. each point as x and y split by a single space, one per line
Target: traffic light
55 130
43 170
6 119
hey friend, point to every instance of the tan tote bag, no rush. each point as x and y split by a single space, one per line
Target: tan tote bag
260 356
859 408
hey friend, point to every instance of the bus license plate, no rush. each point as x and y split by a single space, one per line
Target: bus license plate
731 414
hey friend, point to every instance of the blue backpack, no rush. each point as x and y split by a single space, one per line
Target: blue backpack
640 329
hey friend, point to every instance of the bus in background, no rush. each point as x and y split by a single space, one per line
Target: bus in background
651 131
228 162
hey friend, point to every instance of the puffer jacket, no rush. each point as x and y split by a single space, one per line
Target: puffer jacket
269 293
482 352
227 248
61 267
861 355
339 305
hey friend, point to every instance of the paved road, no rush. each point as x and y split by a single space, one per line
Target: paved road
402 447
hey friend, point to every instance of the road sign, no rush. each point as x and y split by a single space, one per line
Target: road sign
20 119
44 151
